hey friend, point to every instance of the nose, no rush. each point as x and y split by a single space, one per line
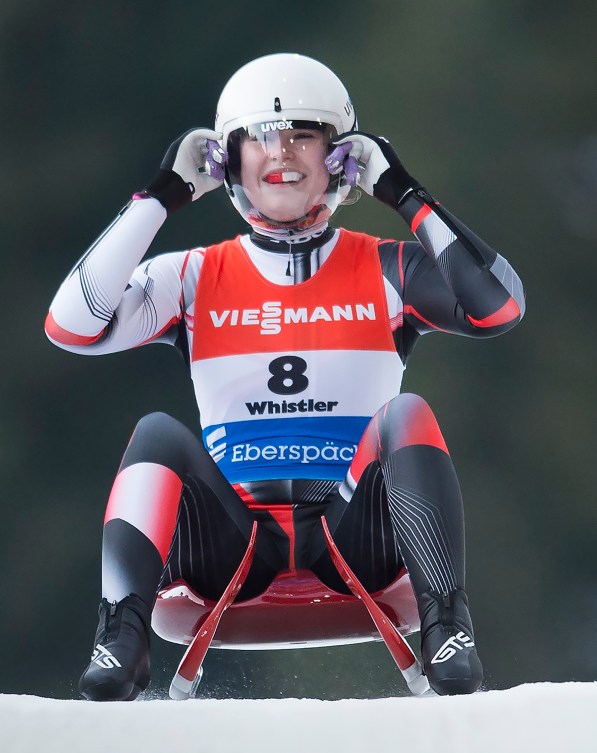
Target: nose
279 148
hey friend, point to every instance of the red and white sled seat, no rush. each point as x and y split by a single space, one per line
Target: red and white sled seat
296 611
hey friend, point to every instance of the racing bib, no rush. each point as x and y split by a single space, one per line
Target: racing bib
287 377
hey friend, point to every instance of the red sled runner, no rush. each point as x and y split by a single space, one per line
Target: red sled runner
296 611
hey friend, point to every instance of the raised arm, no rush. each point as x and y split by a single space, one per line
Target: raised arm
459 284
108 302
483 295
83 313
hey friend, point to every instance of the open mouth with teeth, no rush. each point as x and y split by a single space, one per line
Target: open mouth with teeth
288 176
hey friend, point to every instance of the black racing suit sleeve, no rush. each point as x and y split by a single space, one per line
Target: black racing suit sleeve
450 280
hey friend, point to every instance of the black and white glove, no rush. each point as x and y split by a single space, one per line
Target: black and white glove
193 165
378 170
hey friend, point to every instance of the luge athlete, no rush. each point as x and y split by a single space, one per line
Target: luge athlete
296 336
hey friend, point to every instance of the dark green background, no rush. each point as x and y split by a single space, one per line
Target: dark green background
492 106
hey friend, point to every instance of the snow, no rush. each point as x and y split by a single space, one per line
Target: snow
542 717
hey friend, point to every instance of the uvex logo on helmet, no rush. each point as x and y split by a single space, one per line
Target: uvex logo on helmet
276 125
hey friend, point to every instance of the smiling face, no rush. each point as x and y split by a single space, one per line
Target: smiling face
282 170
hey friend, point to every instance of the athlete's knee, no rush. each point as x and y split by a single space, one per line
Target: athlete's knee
405 408
154 423
406 420
158 438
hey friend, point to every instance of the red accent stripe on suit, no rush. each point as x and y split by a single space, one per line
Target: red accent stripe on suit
507 313
419 217
147 496
60 335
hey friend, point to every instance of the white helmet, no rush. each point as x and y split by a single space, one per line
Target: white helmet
278 102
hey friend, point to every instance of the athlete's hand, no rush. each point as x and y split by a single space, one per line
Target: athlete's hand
193 165
380 172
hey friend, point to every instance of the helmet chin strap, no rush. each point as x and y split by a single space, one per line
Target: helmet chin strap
311 225
292 242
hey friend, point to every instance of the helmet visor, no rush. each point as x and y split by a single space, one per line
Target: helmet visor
277 176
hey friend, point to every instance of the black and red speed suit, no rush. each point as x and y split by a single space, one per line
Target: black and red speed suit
296 354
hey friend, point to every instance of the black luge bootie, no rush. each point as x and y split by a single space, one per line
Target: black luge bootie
119 666
448 650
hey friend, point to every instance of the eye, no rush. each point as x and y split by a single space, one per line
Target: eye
301 140
301 136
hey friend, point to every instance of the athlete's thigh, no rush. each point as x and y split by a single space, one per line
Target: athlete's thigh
362 529
162 439
208 545
214 525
